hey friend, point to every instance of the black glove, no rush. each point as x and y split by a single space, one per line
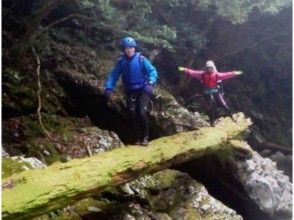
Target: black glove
108 93
149 88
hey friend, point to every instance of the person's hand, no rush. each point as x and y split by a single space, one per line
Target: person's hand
181 68
238 72
149 88
108 93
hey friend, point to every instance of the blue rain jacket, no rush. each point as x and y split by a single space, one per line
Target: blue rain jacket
136 72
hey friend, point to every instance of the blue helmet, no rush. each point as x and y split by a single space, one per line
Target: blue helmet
128 42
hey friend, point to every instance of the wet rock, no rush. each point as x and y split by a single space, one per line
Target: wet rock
34 162
91 140
168 116
267 186
174 195
4 153
171 117
284 162
265 153
70 138
129 217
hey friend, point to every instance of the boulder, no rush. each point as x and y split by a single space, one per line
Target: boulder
267 186
170 194
17 164
170 117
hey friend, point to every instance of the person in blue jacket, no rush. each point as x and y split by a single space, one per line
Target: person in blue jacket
139 77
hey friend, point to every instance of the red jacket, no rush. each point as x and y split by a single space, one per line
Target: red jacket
209 80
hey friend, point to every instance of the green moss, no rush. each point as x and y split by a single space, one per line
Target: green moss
78 209
57 123
45 152
12 75
193 214
30 127
57 185
53 123
10 167
37 143
20 96
165 179
21 93
86 205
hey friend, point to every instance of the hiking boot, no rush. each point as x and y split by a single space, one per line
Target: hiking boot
138 142
144 142
212 124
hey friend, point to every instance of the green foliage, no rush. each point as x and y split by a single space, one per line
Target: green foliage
238 11
163 23
135 19
106 10
192 38
169 32
12 75
168 22
87 3
159 37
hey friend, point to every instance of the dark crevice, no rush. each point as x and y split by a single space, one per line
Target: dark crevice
119 199
10 112
118 205
85 103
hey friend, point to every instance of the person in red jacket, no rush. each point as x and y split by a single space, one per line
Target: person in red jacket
210 79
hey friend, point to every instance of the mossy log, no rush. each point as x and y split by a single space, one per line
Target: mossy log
34 192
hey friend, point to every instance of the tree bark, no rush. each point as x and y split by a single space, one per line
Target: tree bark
32 26
35 192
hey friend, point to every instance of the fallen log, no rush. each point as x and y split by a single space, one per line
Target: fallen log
34 192
276 147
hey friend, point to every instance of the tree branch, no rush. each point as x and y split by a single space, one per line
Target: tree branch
59 21
276 147
35 22
39 94
39 97
250 46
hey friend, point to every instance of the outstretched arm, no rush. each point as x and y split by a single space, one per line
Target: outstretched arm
193 73
227 75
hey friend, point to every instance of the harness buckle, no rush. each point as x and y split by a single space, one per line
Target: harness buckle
133 97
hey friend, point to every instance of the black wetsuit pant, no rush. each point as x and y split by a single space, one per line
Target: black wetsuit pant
139 106
213 101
